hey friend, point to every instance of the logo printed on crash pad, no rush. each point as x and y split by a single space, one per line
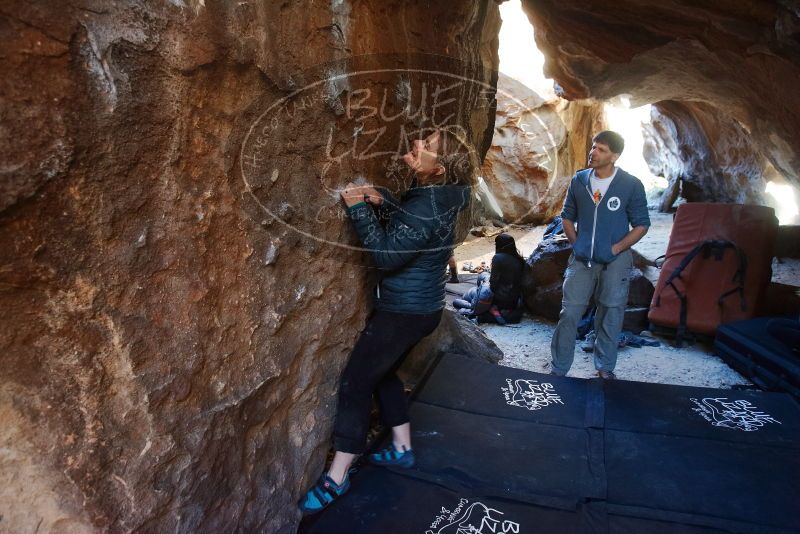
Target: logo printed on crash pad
530 394
471 518
613 203
737 414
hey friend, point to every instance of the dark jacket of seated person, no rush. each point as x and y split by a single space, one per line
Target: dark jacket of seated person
508 267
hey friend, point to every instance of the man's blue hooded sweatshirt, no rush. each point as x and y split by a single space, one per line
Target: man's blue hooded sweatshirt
600 226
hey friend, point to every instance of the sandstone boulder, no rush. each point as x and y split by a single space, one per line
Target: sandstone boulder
537 147
455 334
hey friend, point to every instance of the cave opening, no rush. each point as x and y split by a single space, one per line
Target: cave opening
647 154
522 60
784 197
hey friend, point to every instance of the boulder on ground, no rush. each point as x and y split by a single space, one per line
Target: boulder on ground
537 146
705 154
455 334
542 284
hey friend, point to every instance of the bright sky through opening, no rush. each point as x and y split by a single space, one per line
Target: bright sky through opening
519 57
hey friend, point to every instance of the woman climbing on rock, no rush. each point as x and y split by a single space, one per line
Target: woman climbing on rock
412 252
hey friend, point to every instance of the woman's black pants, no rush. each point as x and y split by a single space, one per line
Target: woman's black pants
382 347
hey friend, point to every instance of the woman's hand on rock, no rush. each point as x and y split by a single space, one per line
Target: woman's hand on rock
352 194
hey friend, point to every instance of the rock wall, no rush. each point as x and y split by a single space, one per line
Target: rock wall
177 295
742 57
704 153
537 147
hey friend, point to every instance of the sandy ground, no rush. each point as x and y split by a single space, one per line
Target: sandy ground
527 345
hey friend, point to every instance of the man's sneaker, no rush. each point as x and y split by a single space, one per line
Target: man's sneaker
606 375
324 492
392 457
588 343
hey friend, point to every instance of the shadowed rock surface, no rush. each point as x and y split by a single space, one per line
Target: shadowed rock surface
456 335
703 153
741 57
175 305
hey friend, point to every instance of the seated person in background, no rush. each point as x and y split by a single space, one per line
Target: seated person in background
477 303
505 282
471 300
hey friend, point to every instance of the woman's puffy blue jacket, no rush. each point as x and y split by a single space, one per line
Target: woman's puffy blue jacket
413 249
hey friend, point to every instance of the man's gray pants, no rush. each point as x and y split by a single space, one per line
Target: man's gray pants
609 285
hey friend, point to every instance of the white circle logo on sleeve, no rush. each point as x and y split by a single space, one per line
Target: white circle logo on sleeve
613 203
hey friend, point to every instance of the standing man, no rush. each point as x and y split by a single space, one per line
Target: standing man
610 209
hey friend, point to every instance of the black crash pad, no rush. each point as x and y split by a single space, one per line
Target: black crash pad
740 486
471 386
552 454
703 413
553 466
383 502
749 348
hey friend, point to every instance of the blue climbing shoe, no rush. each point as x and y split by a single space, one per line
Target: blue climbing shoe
391 457
324 492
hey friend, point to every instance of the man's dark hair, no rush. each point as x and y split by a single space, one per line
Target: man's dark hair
613 140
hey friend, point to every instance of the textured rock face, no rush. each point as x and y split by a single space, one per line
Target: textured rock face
742 57
704 153
537 146
176 307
